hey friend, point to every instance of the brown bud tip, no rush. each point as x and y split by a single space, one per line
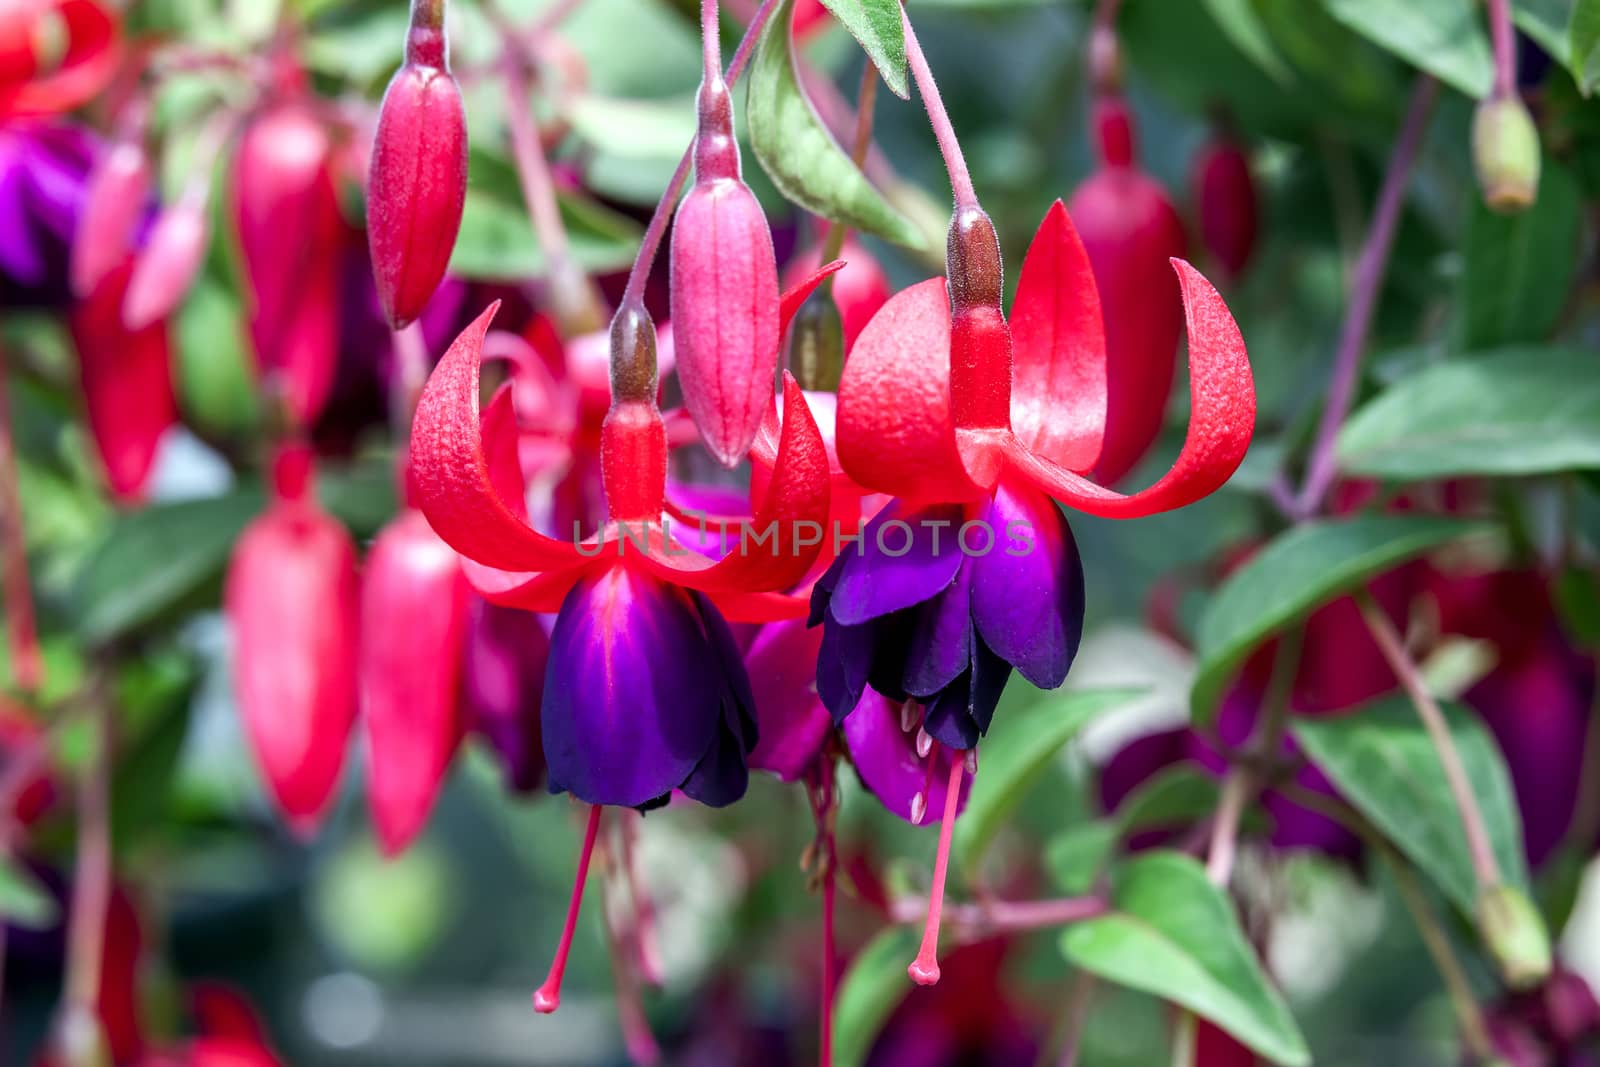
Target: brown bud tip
1516 937
716 150
1505 150
1105 59
816 344
633 355
972 260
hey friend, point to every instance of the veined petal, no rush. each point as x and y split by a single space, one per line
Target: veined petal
895 432
1221 421
1058 346
631 704
450 472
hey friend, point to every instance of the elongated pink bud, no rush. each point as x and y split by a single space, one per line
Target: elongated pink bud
291 602
1131 231
724 291
286 217
113 203
127 384
167 266
418 180
414 601
1225 201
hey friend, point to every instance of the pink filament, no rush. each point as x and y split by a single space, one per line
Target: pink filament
548 996
924 970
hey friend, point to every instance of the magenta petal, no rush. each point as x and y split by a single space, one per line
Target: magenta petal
904 558
782 666
632 701
886 759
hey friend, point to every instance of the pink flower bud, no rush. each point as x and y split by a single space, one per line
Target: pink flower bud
414 601
113 203
1225 200
416 187
724 292
167 266
1131 231
286 217
127 384
291 601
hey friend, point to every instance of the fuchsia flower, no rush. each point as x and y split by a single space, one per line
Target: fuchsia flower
113 207
414 603
127 384
292 600
170 261
503 686
1225 203
34 84
934 410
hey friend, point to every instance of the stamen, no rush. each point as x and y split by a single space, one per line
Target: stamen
919 808
548 996
910 716
924 970
971 759
924 744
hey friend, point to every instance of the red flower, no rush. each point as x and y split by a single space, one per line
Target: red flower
93 41
913 426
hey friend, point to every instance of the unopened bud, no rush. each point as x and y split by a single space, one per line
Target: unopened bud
168 264
1515 934
972 260
1505 150
633 355
816 344
113 203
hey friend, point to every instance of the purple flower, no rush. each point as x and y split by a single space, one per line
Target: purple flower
44 174
502 677
645 693
1555 1025
939 604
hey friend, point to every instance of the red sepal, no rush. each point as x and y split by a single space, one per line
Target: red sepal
1058 390
791 299
94 47
1221 421
451 474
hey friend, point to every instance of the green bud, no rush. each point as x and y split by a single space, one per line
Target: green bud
1514 932
816 343
1505 150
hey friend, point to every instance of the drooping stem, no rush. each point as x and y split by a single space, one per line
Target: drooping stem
1183 1040
1371 266
637 1037
1505 47
647 955
924 970
949 146
411 373
427 14
91 895
548 996
425 40
1074 1016
650 243
1484 864
823 811
27 667
866 100
985 917
710 40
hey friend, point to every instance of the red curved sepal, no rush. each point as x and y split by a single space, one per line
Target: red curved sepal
1058 389
791 299
1221 421
450 472
895 431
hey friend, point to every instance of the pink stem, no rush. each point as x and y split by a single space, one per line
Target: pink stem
710 40
1368 280
636 1035
27 666
1005 916
650 244
924 970
548 997
822 810
643 935
1505 48
954 162
91 890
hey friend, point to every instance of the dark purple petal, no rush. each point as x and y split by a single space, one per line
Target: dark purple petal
722 776
1137 762
633 699
20 256
503 681
960 714
885 758
844 658
782 664
941 643
1027 594
904 558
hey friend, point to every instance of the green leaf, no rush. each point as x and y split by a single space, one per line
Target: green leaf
216 376
1014 754
1175 796
1517 412
875 983
1301 569
1577 594
1384 763
156 558
1076 856
1244 28
797 152
23 901
1519 267
1446 38
1173 934
634 129
1585 44
876 26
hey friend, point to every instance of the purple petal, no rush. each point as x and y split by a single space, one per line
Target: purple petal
503 681
886 759
722 775
794 723
904 558
19 252
1027 596
632 698
961 713
941 644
